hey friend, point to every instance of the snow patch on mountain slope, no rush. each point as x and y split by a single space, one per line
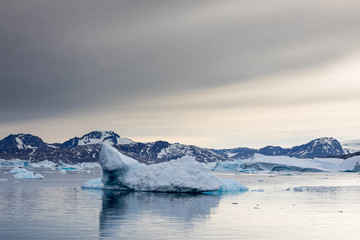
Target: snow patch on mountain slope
173 150
20 143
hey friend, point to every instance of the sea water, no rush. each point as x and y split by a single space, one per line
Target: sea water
277 206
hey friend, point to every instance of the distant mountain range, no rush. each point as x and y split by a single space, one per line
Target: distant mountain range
87 147
321 147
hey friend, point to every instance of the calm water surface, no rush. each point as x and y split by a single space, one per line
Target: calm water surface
311 205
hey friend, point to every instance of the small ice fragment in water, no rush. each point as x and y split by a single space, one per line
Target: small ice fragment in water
257 190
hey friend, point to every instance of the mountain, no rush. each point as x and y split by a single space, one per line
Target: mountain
351 146
21 146
96 137
162 151
321 147
15 142
87 148
237 153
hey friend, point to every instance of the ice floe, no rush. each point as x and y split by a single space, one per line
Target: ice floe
23 173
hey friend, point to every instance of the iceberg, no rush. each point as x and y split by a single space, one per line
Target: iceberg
182 175
14 163
28 174
43 164
16 170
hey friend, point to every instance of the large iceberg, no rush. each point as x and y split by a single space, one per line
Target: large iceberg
183 175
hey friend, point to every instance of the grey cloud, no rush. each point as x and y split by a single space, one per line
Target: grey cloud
60 56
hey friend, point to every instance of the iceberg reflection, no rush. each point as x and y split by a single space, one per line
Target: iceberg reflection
123 212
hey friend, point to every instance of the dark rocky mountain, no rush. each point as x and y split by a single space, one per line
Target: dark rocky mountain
321 147
21 142
87 148
162 151
237 153
21 146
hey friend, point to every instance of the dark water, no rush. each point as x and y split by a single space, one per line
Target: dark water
314 206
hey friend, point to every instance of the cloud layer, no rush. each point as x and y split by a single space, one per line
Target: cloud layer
167 67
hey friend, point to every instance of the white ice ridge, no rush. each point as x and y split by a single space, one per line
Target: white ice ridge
283 163
183 175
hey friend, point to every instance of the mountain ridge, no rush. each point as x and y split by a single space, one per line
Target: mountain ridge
87 147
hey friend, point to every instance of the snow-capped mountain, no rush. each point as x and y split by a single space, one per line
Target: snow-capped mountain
87 147
21 142
321 147
96 137
237 153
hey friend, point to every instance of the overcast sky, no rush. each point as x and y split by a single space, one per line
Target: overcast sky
210 73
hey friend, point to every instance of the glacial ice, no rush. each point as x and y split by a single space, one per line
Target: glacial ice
283 163
182 175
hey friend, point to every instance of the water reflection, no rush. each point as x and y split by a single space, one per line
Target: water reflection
123 211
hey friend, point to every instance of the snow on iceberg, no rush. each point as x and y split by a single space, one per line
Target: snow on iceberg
183 175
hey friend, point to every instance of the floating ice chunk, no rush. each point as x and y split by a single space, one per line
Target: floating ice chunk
43 164
88 165
15 162
63 171
183 175
3 180
28 174
93 184
228 185
23 173
258 190
18 170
